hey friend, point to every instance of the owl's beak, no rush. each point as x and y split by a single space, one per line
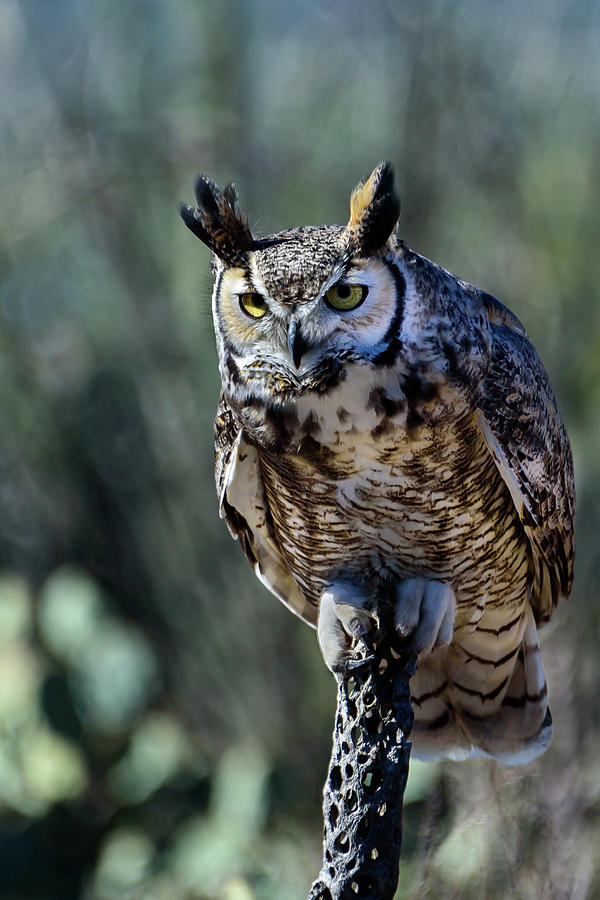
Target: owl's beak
297 345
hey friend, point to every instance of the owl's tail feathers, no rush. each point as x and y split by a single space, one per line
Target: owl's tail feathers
515 730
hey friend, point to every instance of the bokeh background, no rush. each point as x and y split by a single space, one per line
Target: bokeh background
164 723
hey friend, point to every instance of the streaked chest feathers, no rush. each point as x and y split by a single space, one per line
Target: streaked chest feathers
378 484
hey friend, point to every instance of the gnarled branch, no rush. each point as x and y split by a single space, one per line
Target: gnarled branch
362 797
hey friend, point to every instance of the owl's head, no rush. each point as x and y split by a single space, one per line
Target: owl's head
293 310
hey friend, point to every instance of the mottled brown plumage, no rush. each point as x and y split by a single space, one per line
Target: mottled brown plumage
383 423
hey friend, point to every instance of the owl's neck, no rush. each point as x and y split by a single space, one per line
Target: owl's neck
377 402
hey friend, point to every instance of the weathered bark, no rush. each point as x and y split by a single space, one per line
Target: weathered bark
362 797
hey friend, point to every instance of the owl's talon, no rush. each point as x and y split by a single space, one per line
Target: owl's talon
425 613
345 626
361 631
345 668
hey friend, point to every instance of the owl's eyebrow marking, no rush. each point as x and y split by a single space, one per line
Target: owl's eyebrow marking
255 281
340 271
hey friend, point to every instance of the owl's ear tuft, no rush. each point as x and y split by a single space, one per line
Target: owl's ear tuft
374 210
217 220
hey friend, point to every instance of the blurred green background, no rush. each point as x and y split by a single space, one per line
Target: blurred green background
164 722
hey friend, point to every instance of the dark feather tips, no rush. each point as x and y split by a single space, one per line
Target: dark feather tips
217 220
374 210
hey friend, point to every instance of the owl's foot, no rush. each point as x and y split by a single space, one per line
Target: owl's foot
425 613
346 622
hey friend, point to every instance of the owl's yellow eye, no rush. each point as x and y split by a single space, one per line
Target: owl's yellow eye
346 296
253 304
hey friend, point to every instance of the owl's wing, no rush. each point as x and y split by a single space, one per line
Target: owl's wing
243 504
521 423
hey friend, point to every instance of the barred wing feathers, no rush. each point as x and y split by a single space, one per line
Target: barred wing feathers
523 428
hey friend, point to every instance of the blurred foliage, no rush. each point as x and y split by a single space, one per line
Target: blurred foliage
164 723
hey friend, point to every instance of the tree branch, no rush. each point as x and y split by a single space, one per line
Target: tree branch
362 797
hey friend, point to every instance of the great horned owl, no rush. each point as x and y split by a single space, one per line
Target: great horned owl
382 421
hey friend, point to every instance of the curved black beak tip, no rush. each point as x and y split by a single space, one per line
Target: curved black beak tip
296 343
